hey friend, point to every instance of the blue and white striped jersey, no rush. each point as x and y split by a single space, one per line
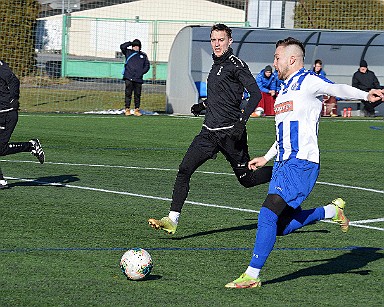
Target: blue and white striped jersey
298 111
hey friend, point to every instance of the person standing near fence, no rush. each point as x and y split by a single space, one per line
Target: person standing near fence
135 67
9 107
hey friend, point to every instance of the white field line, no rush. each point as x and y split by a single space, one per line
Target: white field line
129 194
180 116
350 187
163 199
368 221
174 170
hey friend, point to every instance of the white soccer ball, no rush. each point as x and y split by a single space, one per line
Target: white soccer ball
136 264
259 111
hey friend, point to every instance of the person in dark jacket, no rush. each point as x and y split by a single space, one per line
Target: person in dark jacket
365 80
9 106
223 128
135 67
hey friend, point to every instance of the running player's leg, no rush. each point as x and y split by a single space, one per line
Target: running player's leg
296 219
265 240
8 122
291 220
3 182
201 149
236 152
290 185
193 159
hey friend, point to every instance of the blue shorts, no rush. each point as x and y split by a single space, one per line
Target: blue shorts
293 180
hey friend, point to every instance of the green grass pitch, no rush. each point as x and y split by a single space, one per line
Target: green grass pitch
64 225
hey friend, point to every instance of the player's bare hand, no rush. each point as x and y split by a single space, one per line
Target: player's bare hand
376 95
257 162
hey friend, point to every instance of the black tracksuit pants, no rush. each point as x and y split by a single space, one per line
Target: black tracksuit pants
205 146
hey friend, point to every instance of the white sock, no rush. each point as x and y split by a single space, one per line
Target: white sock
253 272
174 216
330 211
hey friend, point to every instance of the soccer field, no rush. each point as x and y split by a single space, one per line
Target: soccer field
65 224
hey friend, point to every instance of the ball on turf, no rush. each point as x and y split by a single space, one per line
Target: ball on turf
136 264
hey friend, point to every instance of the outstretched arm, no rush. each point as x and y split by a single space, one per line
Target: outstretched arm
348 92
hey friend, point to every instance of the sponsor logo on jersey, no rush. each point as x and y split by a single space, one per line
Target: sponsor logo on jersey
283 107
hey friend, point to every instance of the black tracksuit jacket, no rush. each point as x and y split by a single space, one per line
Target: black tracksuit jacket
365 82
225 87
9 87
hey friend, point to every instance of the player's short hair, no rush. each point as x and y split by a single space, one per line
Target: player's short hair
222 27
291 41
318 61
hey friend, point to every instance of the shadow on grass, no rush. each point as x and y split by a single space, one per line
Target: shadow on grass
310 231
58 181
243 227
61 101
351 263
213 231
153 277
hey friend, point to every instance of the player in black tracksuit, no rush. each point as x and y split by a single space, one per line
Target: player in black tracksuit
9 106
223 129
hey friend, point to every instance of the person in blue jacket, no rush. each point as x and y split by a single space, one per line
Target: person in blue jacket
135 67
267 83
318 68
266 80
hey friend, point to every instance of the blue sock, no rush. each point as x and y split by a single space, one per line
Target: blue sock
265 237
304 217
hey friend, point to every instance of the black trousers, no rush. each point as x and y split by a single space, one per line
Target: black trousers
135 87
369 107
205 146
8 122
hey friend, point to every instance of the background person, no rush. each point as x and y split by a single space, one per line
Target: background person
297 163
223 128
9 106
365 80
318 68
267 83
135 67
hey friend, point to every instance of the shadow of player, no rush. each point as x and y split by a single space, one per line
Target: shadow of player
351 263
58 181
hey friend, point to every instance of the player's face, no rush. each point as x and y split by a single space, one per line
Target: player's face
220 42
281 63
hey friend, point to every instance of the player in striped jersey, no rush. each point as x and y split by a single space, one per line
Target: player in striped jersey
296 166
